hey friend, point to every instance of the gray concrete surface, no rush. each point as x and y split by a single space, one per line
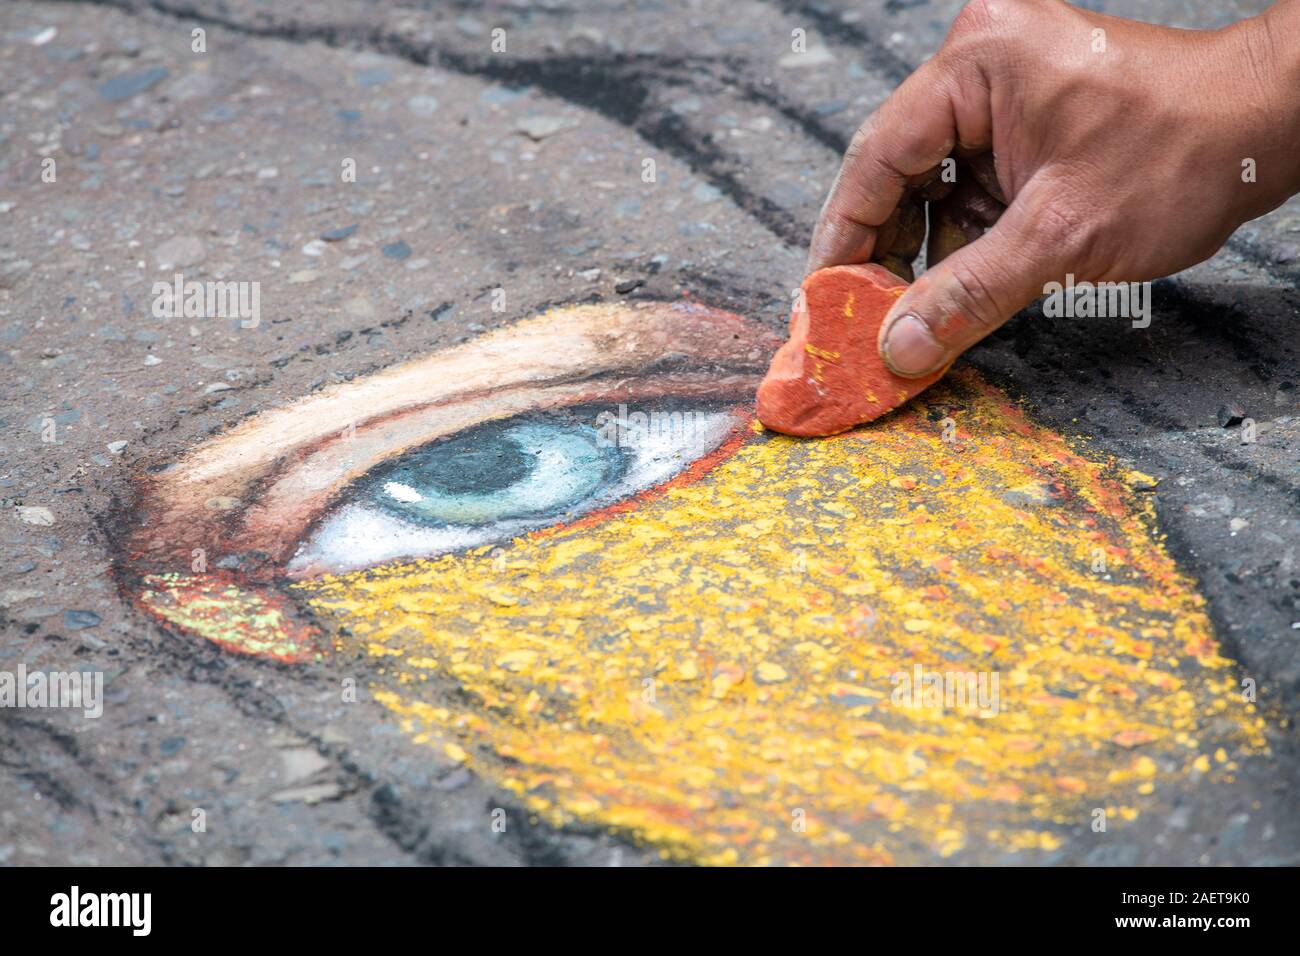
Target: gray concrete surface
236 152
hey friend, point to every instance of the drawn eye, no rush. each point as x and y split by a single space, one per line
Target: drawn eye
527 427
494 481
494 472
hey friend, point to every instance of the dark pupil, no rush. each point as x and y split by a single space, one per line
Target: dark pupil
483 460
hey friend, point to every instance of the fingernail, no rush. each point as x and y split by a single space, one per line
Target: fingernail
910 348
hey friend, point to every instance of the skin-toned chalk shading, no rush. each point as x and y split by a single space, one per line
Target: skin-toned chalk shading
829 376
693 670
217 606
711 665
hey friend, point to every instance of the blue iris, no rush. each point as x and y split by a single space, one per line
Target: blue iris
502 470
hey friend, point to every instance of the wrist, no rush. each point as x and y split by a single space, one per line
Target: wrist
1276 33
1264 57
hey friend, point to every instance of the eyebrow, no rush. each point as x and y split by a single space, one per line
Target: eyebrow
256 489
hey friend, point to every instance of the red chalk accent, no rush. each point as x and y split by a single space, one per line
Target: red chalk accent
829 376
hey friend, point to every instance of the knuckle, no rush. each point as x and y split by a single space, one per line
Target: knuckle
1059 227
861 136
843 212
988 16
972 18
865 143
982 307
864 157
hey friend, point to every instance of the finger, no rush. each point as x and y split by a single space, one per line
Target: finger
897 250
887 232
960 218
976 289
984 168
899 266
910 234
940 105
932 184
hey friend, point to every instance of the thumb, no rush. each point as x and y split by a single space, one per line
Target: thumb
975 290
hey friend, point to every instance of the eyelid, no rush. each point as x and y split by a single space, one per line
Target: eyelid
294 459
286 508
583 341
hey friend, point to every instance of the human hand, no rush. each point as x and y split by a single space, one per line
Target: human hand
1085 144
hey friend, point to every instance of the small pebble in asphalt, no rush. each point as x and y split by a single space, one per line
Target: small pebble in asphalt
1231 414
76 620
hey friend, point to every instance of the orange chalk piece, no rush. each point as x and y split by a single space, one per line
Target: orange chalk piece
829 376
